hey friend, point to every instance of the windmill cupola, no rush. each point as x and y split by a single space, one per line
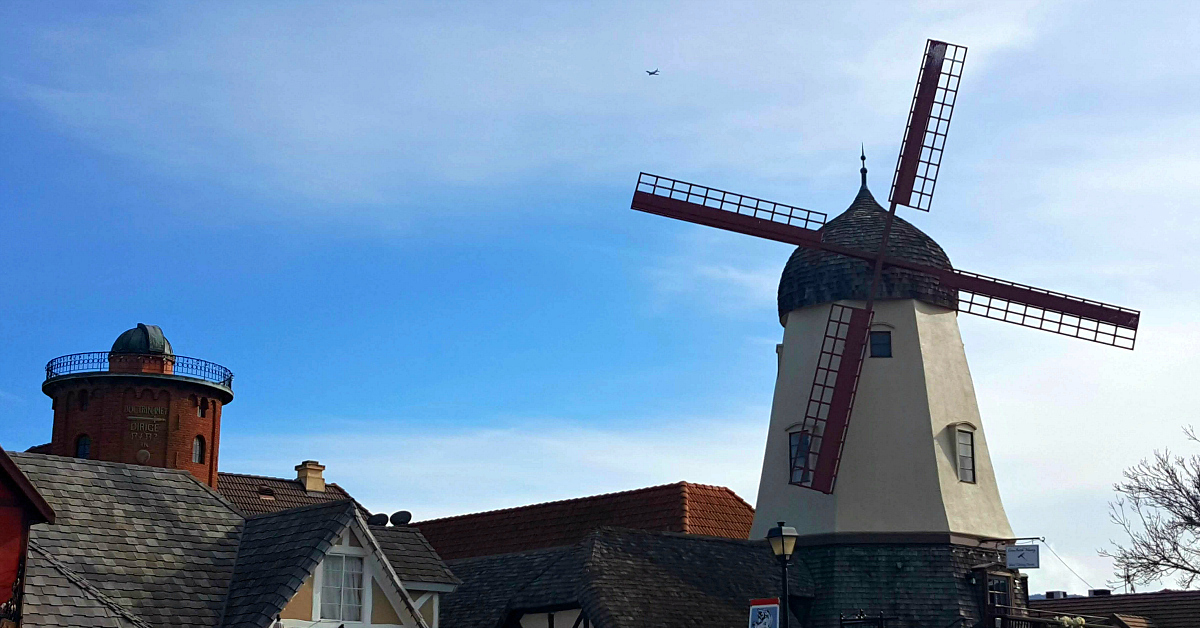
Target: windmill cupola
144 340
812 276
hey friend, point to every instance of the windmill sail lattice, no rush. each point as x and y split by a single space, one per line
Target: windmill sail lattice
928 123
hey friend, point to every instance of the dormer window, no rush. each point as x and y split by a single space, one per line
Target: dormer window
266 493
342 588
964 441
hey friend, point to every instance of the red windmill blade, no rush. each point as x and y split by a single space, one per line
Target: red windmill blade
839 364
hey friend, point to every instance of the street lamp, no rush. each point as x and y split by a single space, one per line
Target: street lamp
783 543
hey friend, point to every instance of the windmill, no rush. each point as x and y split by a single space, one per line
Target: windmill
838 367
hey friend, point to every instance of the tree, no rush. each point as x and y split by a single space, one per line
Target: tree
1158 507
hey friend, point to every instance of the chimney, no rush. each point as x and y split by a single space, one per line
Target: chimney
1056 595
1099 592
308 473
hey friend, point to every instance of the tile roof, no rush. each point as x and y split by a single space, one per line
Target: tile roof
1167 609
623 578
412 557
680 507
242 490
278 552
156 541
55 597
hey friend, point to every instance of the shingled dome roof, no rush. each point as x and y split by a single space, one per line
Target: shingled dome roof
813 276
143 339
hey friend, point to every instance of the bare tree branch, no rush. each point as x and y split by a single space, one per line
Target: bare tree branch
1158 508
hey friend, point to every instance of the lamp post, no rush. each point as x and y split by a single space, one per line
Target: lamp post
783 543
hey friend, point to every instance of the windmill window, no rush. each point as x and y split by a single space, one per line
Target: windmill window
800 448
965 451
83 400
202 409
342 588
83 446
881 344
198 450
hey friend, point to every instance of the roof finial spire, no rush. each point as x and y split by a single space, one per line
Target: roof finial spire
863 171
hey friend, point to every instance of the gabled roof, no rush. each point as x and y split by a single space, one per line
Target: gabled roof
411 556
623 579
11 474
156 541
1167 609
278 552
55 597
244 491
680 507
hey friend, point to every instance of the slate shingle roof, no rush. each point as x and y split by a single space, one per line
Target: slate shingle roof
278 552
156 541
55 597
623 579
680 507
489 583
412 557
1167 609
811 276
242 490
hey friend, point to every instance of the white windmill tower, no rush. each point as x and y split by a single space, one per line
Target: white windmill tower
898 510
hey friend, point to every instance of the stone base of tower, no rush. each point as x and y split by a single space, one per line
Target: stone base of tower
927 585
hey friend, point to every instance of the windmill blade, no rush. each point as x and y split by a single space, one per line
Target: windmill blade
725 210
1054 312
928 123
832 397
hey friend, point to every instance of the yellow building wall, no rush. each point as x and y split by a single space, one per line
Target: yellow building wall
381 609
300 606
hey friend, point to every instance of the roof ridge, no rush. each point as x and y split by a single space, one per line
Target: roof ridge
329 504
83 583
548 503
687 523
682 535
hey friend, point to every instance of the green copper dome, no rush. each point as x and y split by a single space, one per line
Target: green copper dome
145 339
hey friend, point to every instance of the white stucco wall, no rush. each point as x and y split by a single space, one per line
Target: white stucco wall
898 471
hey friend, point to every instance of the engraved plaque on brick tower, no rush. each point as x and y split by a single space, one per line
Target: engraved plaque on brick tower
146 432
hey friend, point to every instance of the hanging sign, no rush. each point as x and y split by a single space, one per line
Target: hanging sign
1022 556
764 613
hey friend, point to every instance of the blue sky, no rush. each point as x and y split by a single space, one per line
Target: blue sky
405 227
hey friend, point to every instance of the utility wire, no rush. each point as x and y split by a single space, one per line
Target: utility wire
1068 566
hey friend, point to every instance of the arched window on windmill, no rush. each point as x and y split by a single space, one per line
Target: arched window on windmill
964 452
83 446
800 455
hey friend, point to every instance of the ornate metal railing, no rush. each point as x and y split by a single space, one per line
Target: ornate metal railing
104 361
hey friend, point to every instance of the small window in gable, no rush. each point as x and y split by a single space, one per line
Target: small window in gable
83 446
198 450
342 588
965 450
800 450
881 344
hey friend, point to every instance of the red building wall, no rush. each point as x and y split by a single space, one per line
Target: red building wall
150 421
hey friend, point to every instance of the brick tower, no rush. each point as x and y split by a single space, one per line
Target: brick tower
139 403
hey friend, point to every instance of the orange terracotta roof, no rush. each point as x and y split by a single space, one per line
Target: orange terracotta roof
256 494
681 507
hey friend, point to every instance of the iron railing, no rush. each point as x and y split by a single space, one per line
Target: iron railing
104 361
1021 617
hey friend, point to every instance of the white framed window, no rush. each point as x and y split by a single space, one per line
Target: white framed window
800 455
964 448
342 588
